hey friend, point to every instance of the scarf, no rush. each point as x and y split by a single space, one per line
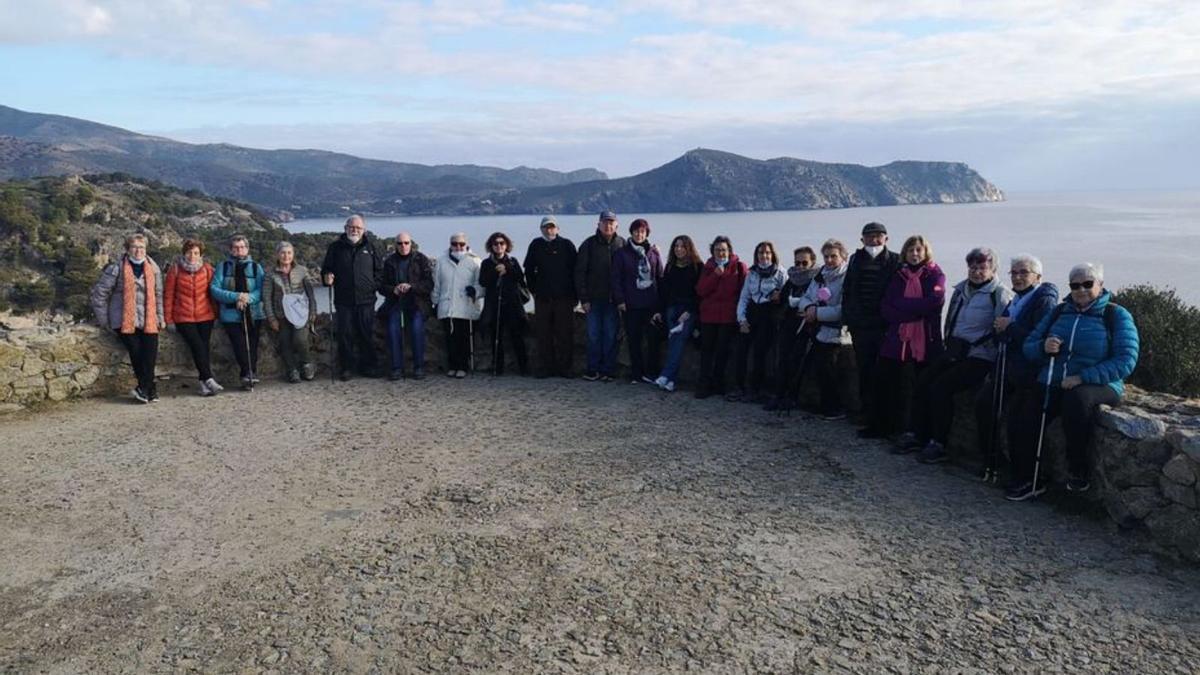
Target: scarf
239 274
1019 302
645 277
183 264
129 299
912 333
800 279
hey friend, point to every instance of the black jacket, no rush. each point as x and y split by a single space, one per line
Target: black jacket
678 287
862 293
420 276
550 268
356 270
593 268
508 288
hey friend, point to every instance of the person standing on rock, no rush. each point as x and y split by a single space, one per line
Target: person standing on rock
128 299
406 286
353 268
822 306
636 268
550 274
503 282
290 305
868 273
1083 349
189 309
237 287
593 285
757 313
719 288
457 293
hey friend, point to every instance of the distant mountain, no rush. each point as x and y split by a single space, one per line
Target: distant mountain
316 182
307 181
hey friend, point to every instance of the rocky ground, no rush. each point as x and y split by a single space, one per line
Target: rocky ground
521 525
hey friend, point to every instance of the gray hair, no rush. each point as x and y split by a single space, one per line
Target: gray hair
459 235
235 238
284 246
982 254
1087 270
362 221
134 238
1029 261
836 245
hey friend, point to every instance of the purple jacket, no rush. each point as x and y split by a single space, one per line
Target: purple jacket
897 309
624 278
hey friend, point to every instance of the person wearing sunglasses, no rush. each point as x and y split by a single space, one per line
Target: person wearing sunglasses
504 316
457 293
1083 350
406 286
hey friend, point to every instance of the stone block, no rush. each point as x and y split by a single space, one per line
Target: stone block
17 322
59 388
87 375
1183 495
67 368
33 365
1178 526
8 408
1126 464
67 351
1186 441
1132 422
29 389
1180 470
1131 506
11 355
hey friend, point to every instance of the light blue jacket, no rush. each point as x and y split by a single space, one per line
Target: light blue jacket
222 290
1086 350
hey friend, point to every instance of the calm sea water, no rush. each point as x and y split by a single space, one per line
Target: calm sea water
1138 237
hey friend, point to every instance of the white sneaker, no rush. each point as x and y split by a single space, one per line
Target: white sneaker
669 386
213 387
661 382
204 390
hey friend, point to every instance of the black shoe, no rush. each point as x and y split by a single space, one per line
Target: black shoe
1078 485
1019 491
908 442
139 395
933 453
735 395
293 376
418 374
396 375
345 376
247 382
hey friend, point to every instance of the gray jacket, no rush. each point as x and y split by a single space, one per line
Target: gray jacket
277 285
108 296
832 330
972 313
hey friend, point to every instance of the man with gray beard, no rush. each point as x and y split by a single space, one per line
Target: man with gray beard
353 268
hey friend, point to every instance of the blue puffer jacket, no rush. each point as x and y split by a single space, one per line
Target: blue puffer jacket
1033 310
1086 351
222 290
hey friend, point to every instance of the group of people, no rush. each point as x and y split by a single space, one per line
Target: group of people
1029 357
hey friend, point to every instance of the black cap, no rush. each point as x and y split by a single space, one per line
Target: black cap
607 215
874 228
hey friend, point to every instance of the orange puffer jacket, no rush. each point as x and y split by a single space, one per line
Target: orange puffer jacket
186 298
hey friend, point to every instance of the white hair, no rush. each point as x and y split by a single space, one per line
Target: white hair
284 246
1031 262
362 221
1087 270
459 235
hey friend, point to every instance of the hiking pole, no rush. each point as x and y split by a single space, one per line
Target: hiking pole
496 363
249 361
1037 465
471 340
793 382
998 375
332 336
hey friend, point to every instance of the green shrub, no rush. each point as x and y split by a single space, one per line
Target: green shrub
1169 329
31 296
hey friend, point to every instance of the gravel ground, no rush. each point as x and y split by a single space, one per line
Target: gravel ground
521 525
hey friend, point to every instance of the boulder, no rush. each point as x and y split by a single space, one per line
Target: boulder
59 388
1132 422
1186 441
1180 470
18 322
11 355
1179 527
87 376
1131 506
33 365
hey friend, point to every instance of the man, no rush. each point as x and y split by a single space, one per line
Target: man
550 275
867 276
593 285
353 268
406 285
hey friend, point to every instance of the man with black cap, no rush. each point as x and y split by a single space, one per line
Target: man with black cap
593 284
867 276
550 274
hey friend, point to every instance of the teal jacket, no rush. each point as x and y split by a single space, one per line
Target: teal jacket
1086 349
222 290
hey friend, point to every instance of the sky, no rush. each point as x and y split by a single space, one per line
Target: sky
1034 94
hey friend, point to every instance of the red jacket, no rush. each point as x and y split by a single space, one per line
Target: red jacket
185 296
719 292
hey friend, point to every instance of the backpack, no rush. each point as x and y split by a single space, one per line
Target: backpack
1110 318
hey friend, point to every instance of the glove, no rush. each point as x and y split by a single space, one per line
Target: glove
471 292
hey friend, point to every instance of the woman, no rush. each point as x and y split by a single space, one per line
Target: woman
677 297
719 288
967 356
822 305
792 344
636 267
757 311
912 307
290 305
189 309
1033 299
456 292
237 288
1083 349
127 298
503 304
406 286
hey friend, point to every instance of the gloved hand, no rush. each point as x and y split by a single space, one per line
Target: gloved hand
471 292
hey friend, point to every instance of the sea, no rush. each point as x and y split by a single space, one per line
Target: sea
1139 237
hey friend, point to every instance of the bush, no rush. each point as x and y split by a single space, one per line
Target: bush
1169 329
31 296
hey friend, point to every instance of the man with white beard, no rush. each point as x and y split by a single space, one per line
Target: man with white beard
353 268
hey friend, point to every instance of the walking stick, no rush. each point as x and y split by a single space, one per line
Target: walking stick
793 383
471 340
332 336
999 374
249 360
496 327
1037 466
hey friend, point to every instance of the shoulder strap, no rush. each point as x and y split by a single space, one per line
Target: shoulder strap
1110 320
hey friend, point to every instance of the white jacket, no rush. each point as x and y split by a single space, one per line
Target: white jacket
450 282
832 330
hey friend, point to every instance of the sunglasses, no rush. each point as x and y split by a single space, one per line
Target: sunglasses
1076 285
458 244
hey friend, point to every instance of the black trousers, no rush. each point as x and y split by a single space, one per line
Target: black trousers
143 353
793 357
716 341
554 329
643 344
197 336
1078 409
892 390
509 328
867 342
356 333
830 363
755 345
247 360
458 343
933 395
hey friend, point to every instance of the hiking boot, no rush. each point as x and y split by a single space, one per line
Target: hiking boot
419 374
735 395
396 375
660 382
345 375
1019 491
307 372
1078 485
213 386
247 382
254 378
591 376
293 376
908 442
669 386
140 395
933 453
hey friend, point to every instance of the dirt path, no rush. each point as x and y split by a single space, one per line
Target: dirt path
520 525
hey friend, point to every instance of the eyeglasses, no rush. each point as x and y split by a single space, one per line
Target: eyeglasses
458 244
980 267
1020 273
404 243
1076 285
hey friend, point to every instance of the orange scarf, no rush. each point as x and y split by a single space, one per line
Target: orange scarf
128 307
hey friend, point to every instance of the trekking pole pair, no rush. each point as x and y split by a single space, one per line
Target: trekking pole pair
991 472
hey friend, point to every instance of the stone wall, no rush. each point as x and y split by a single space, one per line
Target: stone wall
1147 451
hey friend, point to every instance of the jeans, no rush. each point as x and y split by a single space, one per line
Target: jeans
197 335
414 330
143 352
676 342
602 325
